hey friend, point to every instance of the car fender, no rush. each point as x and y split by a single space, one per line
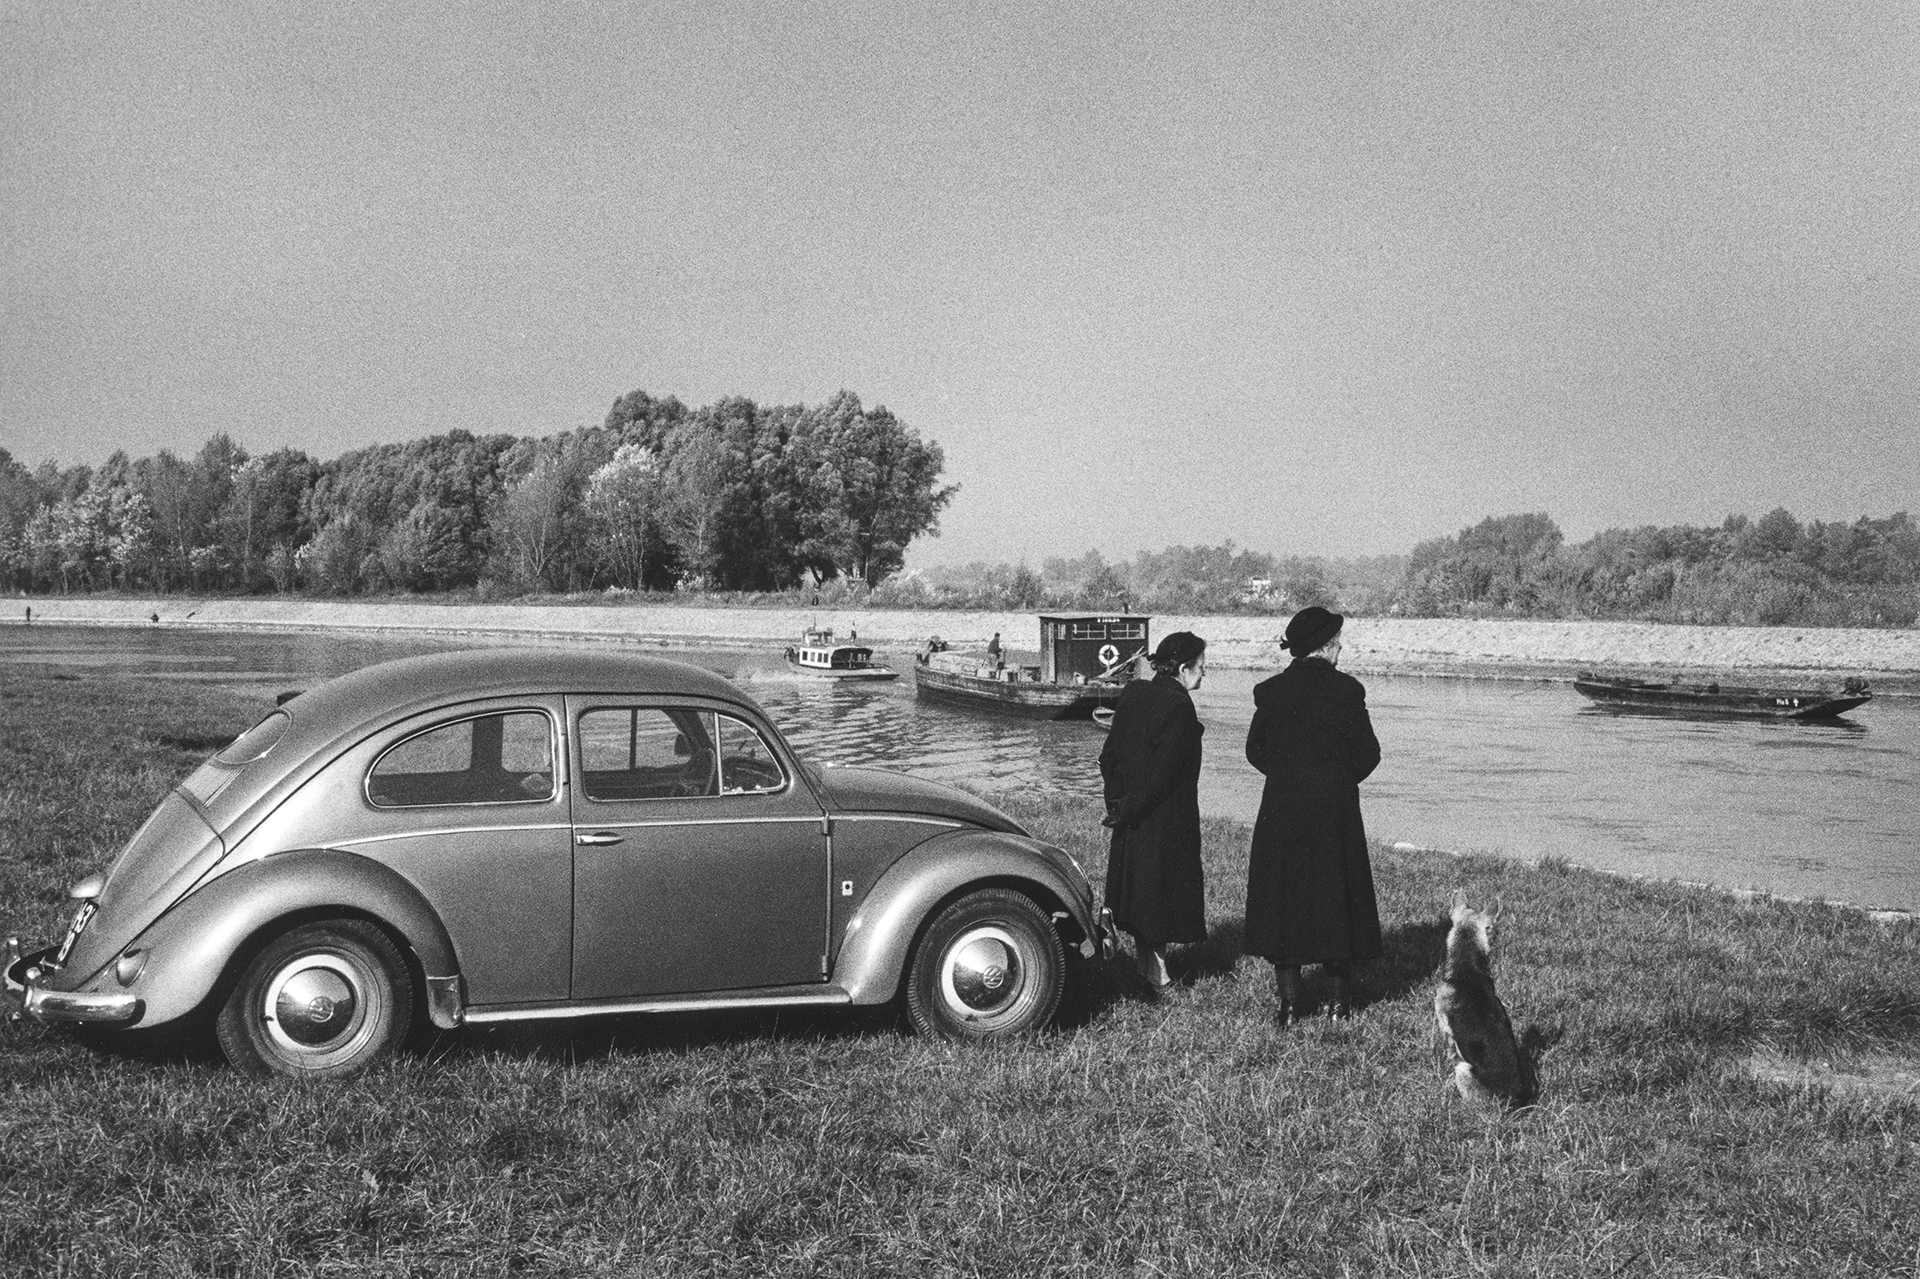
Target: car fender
190 947
879 939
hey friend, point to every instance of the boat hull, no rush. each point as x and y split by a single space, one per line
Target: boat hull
1026 698
1717 699
851 672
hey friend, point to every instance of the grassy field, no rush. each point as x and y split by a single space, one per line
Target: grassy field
1727 1091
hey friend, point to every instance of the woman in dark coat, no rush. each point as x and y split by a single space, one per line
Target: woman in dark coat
1151 767
1309 885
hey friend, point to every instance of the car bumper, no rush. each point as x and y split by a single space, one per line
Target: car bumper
1103 925
36 1002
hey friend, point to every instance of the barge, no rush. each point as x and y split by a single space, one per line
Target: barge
1651 696
1084 664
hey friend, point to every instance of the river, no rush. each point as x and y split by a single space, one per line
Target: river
1514 768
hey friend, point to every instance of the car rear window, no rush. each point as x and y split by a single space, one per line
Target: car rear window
485 759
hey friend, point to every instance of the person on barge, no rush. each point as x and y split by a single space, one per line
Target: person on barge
1310 896
1150 767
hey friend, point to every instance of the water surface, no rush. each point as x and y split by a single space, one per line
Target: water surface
1515 768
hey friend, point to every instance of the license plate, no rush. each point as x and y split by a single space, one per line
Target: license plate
73 932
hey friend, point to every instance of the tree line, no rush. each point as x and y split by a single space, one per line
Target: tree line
1770 571
741 497
1773 571
734 496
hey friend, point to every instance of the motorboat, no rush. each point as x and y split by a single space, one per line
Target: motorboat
818 653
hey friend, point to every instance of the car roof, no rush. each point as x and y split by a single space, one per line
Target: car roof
501 672
345 709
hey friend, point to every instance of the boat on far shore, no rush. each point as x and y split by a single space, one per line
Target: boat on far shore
1714 699
819 654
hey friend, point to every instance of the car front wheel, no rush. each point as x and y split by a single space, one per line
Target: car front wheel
989 966
321 1000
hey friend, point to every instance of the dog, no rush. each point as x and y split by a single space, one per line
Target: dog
1493 1067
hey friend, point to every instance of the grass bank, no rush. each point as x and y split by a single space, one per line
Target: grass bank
1722 1096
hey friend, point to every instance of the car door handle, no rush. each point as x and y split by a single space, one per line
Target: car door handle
599 837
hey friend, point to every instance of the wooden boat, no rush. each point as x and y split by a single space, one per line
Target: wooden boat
1084 664
1103 718
818 654
1617 693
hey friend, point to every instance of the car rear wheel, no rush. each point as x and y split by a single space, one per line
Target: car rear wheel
989 966
321 1000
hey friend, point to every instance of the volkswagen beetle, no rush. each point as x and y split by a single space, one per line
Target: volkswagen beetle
503 835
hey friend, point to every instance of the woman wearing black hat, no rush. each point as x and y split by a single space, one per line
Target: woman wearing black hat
1309 884
1151 767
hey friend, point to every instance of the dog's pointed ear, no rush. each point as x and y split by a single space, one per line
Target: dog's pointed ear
1460 906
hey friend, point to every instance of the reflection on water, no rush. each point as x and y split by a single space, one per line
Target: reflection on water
1511 767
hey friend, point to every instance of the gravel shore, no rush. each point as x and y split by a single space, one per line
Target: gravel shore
1415 646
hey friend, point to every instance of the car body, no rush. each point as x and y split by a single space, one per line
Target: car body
506 834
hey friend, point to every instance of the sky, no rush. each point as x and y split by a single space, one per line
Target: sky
1316 278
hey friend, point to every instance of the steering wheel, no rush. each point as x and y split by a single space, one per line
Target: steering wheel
752 774
696 777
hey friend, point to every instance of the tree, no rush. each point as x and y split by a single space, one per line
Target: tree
80 534
529 523
1025 591
638 418
19 499
622 508
731 506
129 535
1506 561
423 552
333 563
870 486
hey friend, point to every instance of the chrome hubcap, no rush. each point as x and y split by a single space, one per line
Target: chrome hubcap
984 976
319 1006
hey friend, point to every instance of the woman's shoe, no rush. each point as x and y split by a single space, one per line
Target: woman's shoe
1287 1014
1339 1010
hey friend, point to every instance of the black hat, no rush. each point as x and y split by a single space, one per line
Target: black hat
1310 629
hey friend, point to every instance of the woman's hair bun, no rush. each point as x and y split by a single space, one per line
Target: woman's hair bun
1182 648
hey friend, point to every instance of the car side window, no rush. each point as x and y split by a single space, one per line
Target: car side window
646 752
747 763
486 759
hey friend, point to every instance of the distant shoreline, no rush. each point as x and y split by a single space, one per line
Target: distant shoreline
1474 648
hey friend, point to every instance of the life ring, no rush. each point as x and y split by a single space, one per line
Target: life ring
1109 655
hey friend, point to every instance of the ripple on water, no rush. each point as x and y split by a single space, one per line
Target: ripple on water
1819 810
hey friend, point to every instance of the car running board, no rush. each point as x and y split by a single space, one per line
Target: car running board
764 998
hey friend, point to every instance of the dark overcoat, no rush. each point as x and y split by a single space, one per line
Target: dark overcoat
1309 885
1151 767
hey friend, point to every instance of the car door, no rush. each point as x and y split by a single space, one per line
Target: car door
700 856
468 805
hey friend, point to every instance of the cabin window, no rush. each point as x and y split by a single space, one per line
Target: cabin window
487 759
1127 631
1086 630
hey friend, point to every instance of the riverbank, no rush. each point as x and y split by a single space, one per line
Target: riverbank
1706 1064
1520 648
